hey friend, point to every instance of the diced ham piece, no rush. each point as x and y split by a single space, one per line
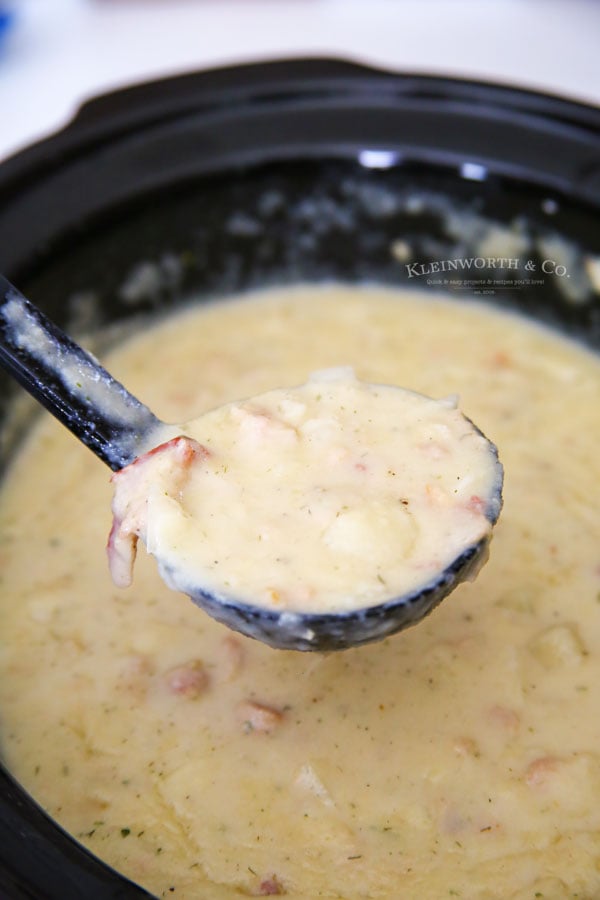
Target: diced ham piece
542 770
231 657
135 675
258 426
189 680
477 505
167 464
270 887
259 717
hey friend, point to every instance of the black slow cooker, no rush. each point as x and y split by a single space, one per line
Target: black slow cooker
303 170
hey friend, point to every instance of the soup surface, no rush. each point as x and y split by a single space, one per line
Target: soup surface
460 758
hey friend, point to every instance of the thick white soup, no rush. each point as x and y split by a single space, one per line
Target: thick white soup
325 497
460 758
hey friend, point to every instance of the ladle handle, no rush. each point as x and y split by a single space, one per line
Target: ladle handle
69 382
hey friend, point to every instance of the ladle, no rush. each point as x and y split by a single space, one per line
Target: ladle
115 425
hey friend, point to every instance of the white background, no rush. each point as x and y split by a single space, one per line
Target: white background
60 52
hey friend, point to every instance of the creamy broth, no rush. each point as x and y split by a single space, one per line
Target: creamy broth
329 496
460 758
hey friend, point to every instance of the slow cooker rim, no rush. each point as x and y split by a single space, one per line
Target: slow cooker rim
107 116
127 138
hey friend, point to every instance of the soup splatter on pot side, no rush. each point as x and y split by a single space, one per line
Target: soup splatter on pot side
460 758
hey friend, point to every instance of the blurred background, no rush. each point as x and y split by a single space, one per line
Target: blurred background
56 53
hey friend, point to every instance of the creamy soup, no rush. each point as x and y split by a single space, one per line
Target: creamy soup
460 758
329 496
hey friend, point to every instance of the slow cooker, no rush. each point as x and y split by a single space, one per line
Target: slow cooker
301 170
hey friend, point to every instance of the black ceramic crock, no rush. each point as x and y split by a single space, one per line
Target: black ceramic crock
217 182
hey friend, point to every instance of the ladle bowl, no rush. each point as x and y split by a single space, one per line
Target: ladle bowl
114 424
